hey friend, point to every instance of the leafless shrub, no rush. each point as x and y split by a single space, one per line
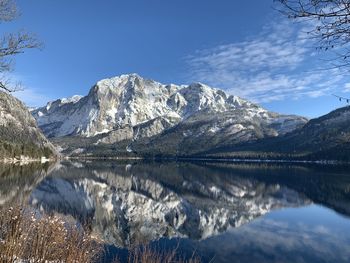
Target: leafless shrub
31 237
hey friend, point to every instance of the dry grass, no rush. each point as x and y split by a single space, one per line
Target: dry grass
28 237
145 254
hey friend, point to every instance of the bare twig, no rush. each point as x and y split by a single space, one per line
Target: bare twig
14 43
8 10
342 98
331 20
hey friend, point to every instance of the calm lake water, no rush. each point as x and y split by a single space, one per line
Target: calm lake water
222 212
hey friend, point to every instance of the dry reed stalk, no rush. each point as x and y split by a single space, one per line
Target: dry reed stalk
31 237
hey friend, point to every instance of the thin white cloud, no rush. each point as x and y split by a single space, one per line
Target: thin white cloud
347 87
31 97
270 66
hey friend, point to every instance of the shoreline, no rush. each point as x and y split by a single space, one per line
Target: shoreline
25 160
210 159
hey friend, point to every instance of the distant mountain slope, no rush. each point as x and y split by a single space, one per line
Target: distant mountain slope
19 134
205 130
130 114
326 137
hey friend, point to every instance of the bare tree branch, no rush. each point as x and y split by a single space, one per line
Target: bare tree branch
340 98
12 44
9 85
331 19
8 10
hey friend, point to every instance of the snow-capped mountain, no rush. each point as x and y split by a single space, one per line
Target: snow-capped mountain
131 108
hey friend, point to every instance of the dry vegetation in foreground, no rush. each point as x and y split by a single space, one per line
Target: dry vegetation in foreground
27 236
144 254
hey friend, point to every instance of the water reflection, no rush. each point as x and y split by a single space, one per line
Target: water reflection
18 181
308 234
140 202
200 206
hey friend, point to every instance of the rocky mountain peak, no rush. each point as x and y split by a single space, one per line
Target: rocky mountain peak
148 108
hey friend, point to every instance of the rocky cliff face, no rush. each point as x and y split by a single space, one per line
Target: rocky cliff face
132 109
19 133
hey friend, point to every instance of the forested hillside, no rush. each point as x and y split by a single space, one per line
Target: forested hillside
19 134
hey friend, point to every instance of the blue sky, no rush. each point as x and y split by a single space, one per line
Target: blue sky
243 47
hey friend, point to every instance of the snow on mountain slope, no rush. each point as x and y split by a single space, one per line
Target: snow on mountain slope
128 100
147 108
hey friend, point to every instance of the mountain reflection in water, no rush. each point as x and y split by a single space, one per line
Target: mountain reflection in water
126 203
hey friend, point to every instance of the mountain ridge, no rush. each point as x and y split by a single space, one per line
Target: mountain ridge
324 138
128 108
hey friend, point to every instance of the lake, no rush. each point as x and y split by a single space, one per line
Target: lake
219 211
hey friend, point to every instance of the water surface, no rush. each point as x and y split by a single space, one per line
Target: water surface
225 212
